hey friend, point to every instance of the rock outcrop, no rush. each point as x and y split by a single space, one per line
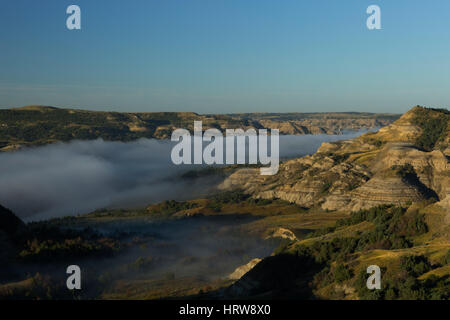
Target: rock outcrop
282 233
384 190
360 173
240 271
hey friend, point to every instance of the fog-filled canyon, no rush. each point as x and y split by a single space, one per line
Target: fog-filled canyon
78 177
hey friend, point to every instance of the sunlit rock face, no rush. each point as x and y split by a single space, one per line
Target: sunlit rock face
358 174
240 271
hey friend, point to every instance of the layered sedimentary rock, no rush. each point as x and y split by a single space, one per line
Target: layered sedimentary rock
377 168
432 168
384 190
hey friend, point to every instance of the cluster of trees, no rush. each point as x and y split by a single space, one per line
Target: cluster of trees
34 126
338 158
405 284
45 132
405 171
170 207
434 127
41 241
216 201
393 229
51 250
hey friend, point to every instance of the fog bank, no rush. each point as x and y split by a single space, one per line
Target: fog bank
78 177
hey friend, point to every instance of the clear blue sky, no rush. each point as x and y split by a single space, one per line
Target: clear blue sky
223 56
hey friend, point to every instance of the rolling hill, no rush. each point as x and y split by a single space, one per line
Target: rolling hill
37 125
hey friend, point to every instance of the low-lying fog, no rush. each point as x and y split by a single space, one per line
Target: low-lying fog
203 247
78 177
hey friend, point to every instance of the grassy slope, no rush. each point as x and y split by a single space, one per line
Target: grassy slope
433 244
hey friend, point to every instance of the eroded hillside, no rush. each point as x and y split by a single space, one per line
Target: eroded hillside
405 162
394 187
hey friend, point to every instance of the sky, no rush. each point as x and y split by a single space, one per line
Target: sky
225 56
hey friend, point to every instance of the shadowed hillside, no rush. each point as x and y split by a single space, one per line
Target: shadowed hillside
9 222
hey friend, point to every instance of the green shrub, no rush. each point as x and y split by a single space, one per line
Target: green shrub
415 265
171 206
51 250
342 273
405 171
434 127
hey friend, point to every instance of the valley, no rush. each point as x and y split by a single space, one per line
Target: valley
308 232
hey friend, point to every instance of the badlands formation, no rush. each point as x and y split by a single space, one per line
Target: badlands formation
390 166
